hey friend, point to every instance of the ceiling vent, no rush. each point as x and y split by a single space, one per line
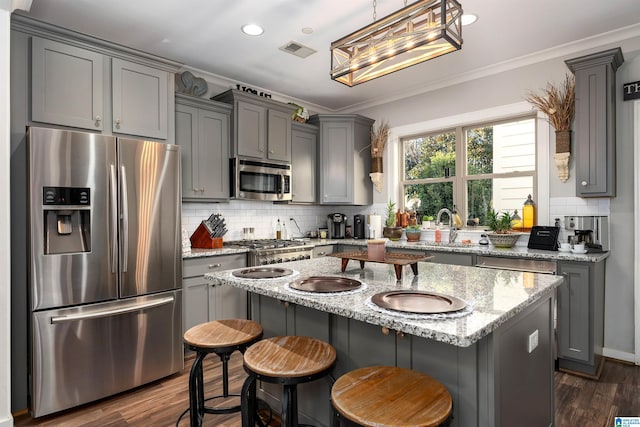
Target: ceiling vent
297 49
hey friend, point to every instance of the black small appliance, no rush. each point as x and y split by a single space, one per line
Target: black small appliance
358 226
337 225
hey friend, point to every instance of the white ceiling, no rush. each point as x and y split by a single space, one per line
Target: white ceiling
205 35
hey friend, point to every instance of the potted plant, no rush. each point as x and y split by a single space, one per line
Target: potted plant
413 233
501 225
390 231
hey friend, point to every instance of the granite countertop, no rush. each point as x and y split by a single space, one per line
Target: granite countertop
493 296
463 248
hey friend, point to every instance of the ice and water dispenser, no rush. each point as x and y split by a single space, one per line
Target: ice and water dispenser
67 219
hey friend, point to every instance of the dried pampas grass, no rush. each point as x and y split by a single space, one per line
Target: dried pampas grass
557 102
379 138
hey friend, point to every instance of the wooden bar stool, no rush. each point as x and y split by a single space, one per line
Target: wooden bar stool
386 396
221 337
289 360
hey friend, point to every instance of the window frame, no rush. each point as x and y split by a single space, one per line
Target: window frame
494 115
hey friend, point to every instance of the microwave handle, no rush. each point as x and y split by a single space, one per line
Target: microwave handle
281 185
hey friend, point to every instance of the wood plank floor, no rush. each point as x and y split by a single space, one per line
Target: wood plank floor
579 401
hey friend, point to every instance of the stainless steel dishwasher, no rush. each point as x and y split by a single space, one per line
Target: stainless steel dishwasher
517 264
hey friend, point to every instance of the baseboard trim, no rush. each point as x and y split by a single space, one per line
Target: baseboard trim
6 422
619 355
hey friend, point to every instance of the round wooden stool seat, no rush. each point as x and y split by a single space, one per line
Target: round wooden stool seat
289 361
220 337
387 396
221 334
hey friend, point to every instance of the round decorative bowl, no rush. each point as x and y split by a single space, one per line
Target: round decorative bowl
503 240
392 233
413 235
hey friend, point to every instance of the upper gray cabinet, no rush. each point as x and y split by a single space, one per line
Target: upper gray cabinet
67 86
595 122
303 162
139 99
82 82
261 127
202 131
344 160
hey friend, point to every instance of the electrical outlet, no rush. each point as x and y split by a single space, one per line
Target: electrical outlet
533 341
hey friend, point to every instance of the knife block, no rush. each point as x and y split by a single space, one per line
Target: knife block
201 239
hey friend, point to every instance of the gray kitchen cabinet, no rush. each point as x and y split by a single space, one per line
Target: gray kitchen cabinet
261 127
595 122
323 250
203 300
344 159
303 162
580 301
87 86
139 99
66 85
202 131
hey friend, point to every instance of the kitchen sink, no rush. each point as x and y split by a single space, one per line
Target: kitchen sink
325 284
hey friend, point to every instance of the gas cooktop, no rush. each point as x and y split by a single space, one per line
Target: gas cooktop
263 243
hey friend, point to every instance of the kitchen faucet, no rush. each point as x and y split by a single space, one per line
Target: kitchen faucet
453 230
295 222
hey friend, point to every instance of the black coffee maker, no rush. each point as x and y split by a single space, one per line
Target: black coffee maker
337 225
358 226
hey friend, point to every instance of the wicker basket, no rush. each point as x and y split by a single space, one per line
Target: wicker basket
503 240
299 119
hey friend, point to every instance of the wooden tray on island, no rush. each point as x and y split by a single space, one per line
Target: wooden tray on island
397 259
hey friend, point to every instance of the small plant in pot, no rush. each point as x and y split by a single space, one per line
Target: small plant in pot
501 225
413 233
390 231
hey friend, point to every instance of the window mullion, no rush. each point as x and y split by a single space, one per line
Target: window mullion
459 191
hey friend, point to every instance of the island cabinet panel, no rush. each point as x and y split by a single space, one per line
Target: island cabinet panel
595 122
205 300
344 159
67 86
581 317
303 163
202 131
261 127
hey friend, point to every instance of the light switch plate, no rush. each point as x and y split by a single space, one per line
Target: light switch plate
533 341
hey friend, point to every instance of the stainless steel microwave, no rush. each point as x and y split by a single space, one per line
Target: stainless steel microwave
260 180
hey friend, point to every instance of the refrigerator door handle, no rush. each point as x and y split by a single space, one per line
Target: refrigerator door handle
96 314
125 220
114 219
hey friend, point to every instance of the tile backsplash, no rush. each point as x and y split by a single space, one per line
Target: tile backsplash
263 216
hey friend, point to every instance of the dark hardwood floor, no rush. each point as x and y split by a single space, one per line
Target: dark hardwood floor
579 401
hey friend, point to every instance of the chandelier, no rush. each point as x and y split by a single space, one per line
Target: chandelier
423 30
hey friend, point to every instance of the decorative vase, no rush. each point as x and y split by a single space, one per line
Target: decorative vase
392 233
563 141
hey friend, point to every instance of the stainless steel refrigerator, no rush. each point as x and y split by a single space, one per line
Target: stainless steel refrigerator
105 266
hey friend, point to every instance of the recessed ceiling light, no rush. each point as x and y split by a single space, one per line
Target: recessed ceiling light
252 29
469 18
307 30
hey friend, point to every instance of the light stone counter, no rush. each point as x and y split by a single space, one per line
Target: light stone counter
494 296
197 253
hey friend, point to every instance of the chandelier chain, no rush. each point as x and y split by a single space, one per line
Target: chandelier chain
374 10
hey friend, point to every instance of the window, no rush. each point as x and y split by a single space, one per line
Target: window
471 168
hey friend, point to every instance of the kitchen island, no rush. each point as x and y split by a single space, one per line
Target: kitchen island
495 356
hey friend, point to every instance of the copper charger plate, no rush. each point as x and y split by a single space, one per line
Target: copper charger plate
325 284
262 273
421 302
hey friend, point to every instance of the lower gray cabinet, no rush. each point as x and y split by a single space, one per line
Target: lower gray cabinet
581 317
203 300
